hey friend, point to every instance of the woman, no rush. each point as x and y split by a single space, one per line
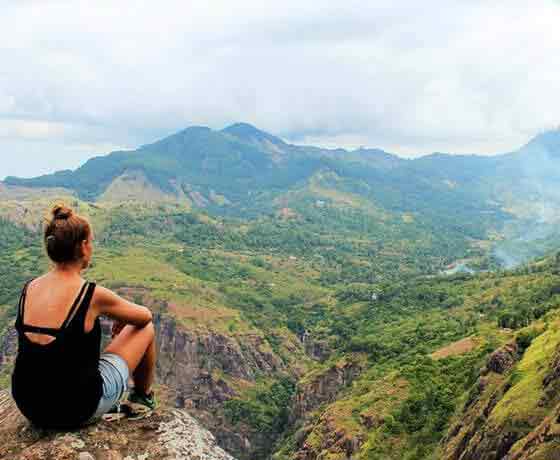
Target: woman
60 377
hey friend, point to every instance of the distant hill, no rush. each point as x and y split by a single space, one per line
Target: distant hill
243 171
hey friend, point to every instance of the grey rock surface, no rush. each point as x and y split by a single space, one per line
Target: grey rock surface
167 434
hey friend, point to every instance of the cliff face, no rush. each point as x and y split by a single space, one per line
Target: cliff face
513 410
318 415
325 386
205 369
543 443
8 348
202 370
473 436
198 365
167 434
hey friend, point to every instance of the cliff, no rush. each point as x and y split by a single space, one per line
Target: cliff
206 368
320 420
324 386
201 369
167 434
513 411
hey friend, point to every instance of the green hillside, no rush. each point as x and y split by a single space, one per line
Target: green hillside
317 303
243 172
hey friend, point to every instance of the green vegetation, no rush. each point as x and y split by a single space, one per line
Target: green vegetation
265 408
20 250
321 257
275 278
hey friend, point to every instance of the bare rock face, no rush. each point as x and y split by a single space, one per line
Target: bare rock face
503 359
471 437
323 436
198 368
541 443
8 347
167 434
474 436
335 442
189 361
325 387
551 382
317 349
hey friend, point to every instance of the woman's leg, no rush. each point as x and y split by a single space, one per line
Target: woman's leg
137 346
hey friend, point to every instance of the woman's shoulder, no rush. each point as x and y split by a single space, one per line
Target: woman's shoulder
31 283
102 295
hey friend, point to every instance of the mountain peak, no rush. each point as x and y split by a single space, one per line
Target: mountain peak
248 132
547 140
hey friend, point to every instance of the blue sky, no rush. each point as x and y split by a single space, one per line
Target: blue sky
81 78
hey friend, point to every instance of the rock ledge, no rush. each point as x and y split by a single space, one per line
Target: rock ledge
167 434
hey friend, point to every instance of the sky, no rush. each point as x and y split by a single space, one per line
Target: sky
82 78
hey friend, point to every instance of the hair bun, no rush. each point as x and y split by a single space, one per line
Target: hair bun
61 212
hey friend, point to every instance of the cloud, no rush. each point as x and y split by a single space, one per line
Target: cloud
410 77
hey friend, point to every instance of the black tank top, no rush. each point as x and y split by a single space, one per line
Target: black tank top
58 385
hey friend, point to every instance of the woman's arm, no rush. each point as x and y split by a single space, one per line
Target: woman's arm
112 305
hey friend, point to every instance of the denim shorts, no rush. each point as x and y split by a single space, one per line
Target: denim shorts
114 372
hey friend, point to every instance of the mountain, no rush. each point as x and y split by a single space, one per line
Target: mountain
231 162
242 163
548 141
244 172
238 162
248 133
313 303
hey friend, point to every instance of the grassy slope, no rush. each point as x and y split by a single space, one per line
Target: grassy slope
265 277
411 397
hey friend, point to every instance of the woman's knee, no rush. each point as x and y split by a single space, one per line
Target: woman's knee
145 333
147 329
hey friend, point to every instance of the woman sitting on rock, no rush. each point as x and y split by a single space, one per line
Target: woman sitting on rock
61 379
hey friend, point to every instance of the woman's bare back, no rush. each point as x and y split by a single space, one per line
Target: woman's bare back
48 302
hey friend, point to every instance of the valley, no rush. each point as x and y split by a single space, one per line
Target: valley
301 309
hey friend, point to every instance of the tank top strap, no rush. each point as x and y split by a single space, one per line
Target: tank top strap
74 306
21 304
79 318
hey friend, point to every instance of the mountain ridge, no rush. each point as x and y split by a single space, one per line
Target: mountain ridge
245 132
227 152
550 139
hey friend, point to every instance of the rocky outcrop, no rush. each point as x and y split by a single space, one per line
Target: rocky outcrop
533 434
503 359
335 441
202 369
324 387
198 365
318 349
543 443
471 437
8 347
551 381
322 432
168 434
